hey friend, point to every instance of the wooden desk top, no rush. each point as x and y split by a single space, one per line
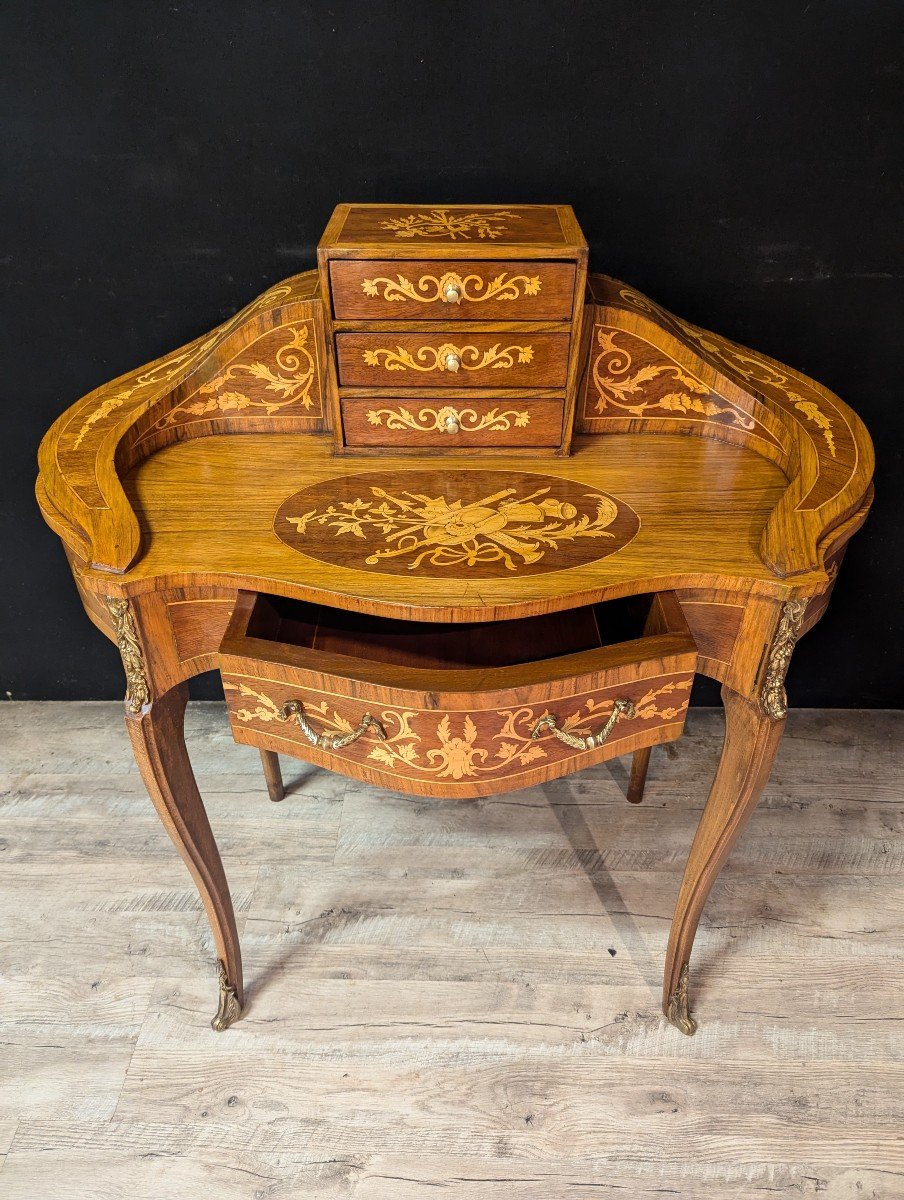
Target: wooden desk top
177 472
219 509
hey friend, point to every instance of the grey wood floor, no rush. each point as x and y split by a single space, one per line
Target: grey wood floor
448 996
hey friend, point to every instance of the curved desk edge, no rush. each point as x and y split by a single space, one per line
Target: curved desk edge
263 370
650 369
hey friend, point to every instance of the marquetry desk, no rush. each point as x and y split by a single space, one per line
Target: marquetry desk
453 517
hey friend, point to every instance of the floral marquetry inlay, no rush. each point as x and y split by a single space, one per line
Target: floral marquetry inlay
755 369
279 375
431 289
476 523
158 373
633 378
166 371
441 223
449 420
459 745
439 358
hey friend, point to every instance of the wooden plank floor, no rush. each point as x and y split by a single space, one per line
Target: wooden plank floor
446 997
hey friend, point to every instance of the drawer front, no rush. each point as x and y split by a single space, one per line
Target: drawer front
464 732
452 291
452 424
457 749
444 359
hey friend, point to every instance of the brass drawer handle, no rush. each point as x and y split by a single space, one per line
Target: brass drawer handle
592 740
329 741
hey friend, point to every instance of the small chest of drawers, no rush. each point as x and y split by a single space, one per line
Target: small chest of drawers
452 328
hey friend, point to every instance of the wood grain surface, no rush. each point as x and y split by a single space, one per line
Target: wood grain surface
206 509
461 997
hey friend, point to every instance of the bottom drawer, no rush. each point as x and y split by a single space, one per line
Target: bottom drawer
452 424
452 711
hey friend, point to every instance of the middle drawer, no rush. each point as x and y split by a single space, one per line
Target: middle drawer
444 359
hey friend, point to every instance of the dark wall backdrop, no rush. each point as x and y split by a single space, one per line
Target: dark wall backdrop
737 161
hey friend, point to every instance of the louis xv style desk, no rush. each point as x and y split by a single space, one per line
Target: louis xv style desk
453 517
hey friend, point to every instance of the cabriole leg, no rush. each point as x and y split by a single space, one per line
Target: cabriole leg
158 741
751 740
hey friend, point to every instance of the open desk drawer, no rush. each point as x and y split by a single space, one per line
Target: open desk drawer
454 710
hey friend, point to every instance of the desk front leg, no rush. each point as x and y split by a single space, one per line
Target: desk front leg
157 733
751 741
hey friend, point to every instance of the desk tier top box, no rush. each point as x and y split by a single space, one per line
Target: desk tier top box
471 311
453 231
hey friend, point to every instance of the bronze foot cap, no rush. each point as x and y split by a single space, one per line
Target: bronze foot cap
677 1011
229 1008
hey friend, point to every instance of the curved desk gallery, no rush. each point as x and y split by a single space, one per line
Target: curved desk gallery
393 501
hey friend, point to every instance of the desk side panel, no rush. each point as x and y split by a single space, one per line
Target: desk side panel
647 369
260 371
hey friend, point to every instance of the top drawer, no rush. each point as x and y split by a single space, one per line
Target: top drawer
447 290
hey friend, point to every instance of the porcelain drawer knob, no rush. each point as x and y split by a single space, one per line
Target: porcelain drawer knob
451 425
452 361
452 293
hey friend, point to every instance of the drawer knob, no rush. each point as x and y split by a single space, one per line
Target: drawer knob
452 293
452 361
451 423
329 741
592 740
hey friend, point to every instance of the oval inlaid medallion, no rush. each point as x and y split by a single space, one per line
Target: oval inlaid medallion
472 524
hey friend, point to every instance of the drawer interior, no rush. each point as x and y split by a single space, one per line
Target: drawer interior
263 622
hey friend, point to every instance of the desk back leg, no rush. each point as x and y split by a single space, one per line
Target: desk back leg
273 775
638 777
158 742
751 740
